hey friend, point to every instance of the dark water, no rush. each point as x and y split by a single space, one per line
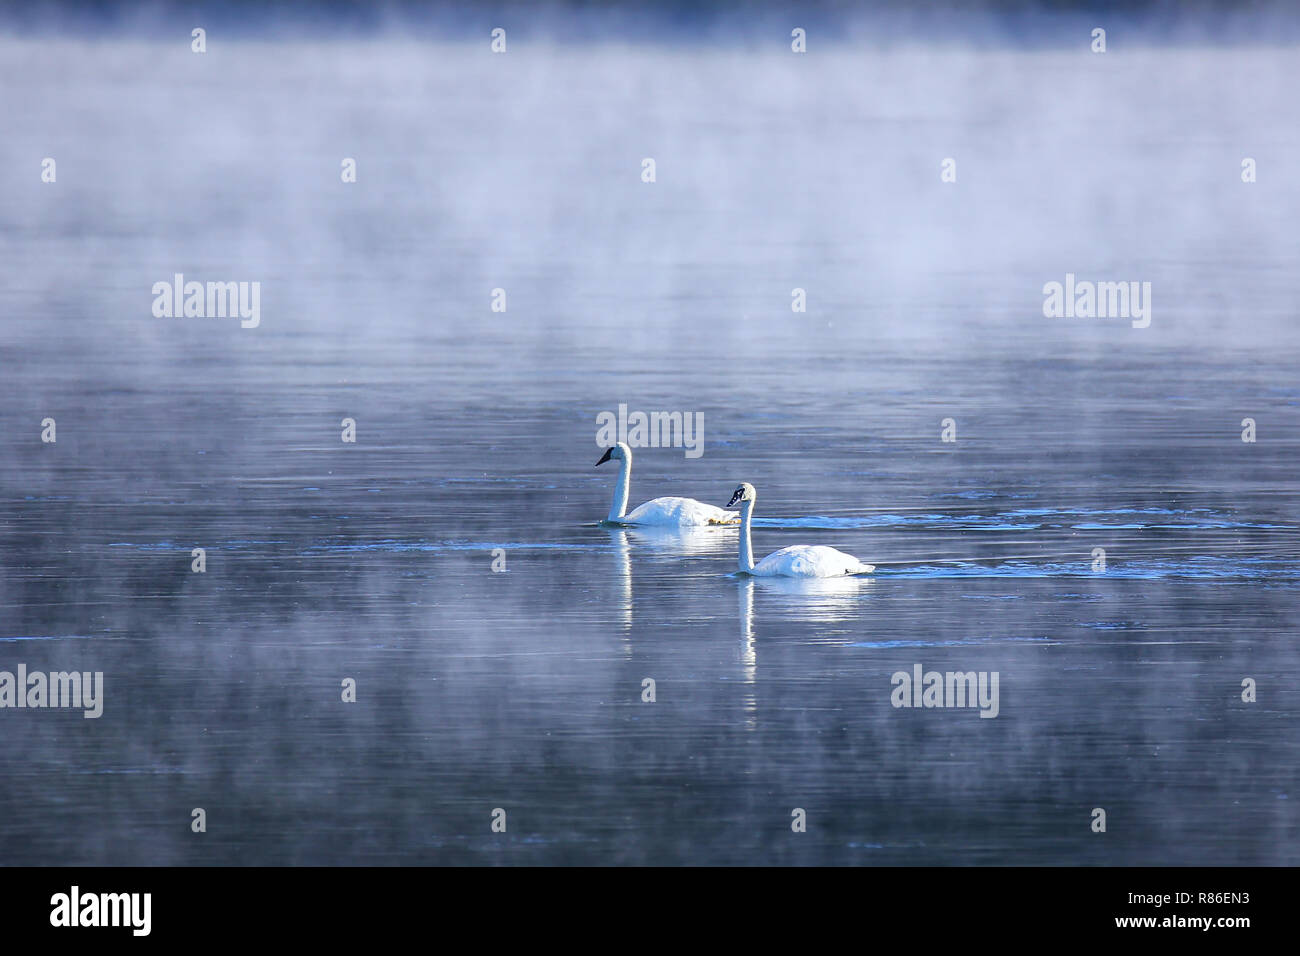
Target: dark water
475 431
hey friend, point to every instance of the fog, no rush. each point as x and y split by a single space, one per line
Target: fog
913 180
774 170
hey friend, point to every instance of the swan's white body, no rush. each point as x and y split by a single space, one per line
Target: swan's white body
796 561
677 513
670 512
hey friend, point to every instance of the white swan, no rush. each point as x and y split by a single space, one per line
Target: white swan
669 512
796 561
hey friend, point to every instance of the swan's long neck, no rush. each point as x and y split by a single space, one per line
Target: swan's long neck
618 507
746 549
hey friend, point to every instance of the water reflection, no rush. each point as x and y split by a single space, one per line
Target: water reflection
748 650
686 542
623 576
818 600
373 560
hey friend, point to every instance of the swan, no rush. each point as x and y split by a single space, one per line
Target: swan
669 512
796 561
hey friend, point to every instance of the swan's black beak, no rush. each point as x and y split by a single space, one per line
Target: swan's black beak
735 497
605 457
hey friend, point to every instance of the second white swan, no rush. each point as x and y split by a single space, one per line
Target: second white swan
664 512
796 561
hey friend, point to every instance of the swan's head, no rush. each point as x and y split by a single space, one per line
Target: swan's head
615 452
744 492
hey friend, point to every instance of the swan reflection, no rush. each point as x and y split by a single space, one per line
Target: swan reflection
748 652
665 542
821 600
623 571
687 541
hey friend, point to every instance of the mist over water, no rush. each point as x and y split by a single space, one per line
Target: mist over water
475 432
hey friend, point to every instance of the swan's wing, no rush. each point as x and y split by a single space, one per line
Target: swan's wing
828 562
811 561
680 512
779 562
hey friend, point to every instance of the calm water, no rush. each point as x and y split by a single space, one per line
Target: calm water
475 431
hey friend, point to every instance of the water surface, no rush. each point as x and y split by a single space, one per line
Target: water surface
522 690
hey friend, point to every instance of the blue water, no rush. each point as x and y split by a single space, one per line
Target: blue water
522 689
